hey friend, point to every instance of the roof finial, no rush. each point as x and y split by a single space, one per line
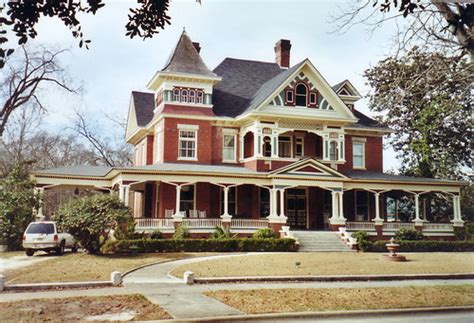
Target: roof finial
184 29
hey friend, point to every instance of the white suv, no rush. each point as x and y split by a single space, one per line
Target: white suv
44 235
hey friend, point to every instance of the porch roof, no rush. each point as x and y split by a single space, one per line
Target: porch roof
369 175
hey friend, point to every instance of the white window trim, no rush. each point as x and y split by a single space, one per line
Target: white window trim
234 159
188 127
363 154
291 146
195 158
302 146
158 144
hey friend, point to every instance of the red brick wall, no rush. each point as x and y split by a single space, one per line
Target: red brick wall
373 154
248 202
149 149
167 197
203 197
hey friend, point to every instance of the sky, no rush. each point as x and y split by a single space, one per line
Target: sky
115 64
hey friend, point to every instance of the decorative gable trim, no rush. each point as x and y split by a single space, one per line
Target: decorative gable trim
308 166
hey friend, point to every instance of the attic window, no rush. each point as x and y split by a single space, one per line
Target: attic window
313 99
200 96
176 95
301 95
343 92
184 96
289 97
192 96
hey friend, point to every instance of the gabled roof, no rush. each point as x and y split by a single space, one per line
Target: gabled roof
185 59
309 166
144 105
348 86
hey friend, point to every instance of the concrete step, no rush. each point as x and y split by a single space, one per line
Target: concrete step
317 241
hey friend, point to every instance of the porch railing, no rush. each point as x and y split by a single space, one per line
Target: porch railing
360 226
395 226
202 223
153 223
248 224
437 227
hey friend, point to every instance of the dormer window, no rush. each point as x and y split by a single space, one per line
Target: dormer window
301 95
184 96
176 95
200 96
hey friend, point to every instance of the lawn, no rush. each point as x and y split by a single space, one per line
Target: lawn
10 254
74 309
333 299
83 267
329 263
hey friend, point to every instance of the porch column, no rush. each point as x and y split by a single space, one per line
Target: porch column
341 206
121 193
177 213
274 146
334 206
377 207
282 203
226 216
417 208
40 192
273 202
337 220
126 192
457 219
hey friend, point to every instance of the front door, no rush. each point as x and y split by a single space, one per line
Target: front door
296 208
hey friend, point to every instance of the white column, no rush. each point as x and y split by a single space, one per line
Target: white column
177 213
417 208
126 193
274 146
377 207
257 145
282 203
457 218
273 203
40 192
122 192
241 148
334 206
341 206
226 214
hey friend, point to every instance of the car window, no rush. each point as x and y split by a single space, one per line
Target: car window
44 228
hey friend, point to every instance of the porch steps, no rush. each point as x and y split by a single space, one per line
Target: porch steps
319 241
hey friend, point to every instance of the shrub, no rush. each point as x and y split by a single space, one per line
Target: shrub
408 234
266 233
222 233
182 232
424 246
362 240
17 200
90 219
467 233
200 245
156 235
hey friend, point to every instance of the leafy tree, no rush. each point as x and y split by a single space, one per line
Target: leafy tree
146 20
17 201
91 219
467 203
425 98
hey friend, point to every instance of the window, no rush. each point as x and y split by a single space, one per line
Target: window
200 96
267 147
184 96
264 202
186 198
187 144
301 95
358 154
313 99
229 148
192 96
232 202
299 147
362 206
176 95
289 96
284 147
333 151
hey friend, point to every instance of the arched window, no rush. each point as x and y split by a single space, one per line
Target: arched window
184 96
333 151
200 96
176 95
267 147
301 95
192 96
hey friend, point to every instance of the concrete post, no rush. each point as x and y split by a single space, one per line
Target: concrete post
2 282
116 278
188 277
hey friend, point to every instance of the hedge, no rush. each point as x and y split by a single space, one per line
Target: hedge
197 245
423 246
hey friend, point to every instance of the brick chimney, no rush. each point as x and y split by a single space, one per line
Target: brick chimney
197 46
282 53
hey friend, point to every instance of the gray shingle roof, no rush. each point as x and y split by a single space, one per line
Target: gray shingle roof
94 171
196 168
185 59
390 177
144 104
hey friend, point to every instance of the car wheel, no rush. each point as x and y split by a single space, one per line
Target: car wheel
60 250
74 248
29 252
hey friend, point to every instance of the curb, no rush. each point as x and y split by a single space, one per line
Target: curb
49 286
220 280
330 314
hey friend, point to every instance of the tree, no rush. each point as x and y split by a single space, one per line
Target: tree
435 24
146 20
17 201
91 219
24 78
426 99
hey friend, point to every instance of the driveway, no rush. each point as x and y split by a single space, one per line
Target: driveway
21 261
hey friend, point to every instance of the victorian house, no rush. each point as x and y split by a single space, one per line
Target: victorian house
254 144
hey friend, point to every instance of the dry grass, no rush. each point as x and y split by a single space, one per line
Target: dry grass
301 300
10 254
329 263
83 267
79 308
